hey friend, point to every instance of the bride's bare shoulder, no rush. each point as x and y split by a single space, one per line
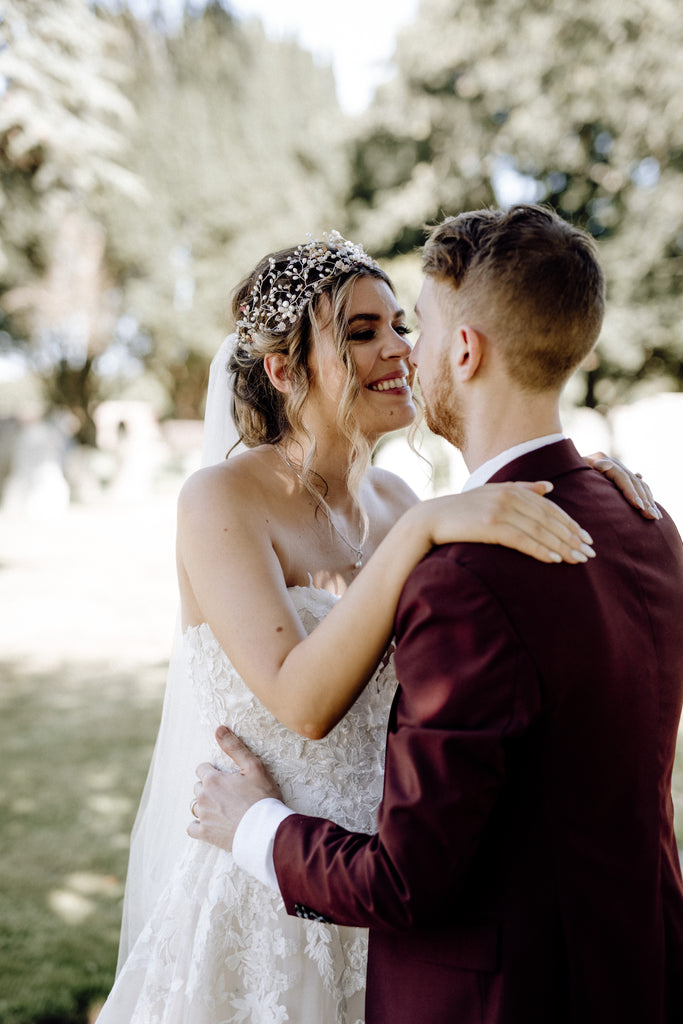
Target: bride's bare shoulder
239 482
391 489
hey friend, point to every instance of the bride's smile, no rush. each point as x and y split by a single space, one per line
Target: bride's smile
389 383
379 350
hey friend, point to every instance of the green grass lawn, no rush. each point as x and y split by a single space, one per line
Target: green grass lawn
75 749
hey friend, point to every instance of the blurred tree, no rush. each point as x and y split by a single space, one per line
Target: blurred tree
571 102
238 141
63 119
72 315
144 169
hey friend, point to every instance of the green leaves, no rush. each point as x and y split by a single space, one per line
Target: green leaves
191 153
581 98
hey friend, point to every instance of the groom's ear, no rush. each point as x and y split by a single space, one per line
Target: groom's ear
469 349
276 366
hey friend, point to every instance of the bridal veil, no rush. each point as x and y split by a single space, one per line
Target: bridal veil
159 832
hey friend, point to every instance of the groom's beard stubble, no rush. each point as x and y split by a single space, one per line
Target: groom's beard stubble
442 412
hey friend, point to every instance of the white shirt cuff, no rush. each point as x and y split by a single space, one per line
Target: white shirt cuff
254 839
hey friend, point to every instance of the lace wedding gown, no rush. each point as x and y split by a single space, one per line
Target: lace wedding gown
219 947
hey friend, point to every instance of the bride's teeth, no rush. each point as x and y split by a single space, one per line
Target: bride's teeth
387 385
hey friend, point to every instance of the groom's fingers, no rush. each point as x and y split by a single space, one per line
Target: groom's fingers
234 747
202 771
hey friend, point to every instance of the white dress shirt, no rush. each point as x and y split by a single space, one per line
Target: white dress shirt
255 835
482 474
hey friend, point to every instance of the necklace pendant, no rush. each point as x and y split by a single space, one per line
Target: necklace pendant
359 561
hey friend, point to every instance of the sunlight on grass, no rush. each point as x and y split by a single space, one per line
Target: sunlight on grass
70 906
76 746
75 903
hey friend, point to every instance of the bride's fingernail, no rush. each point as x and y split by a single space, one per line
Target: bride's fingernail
555 557
588 551
585 535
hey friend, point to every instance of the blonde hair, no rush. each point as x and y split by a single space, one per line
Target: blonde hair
533 278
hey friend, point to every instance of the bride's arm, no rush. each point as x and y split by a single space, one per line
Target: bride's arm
229 568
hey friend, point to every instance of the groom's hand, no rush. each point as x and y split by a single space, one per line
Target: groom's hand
221 798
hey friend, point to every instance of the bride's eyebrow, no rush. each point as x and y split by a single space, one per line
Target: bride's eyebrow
398 315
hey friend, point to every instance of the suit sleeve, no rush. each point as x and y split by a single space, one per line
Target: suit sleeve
467 690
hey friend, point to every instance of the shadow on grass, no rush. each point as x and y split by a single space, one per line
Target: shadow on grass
76 743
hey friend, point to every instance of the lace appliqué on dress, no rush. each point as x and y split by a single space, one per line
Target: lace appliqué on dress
220 947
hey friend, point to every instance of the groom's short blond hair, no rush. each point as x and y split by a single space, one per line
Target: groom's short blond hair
530 279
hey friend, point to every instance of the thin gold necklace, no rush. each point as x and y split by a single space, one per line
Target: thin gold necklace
322 504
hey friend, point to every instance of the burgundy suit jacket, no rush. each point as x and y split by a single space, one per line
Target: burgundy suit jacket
525 868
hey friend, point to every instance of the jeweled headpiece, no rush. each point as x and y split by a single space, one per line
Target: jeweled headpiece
281 292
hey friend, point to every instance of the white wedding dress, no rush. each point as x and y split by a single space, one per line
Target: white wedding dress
219 947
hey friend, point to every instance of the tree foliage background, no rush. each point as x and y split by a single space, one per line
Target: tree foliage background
143 173
571 102
144 170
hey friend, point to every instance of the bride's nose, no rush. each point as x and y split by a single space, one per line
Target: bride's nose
396 346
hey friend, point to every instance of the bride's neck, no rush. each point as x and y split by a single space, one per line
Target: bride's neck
331 463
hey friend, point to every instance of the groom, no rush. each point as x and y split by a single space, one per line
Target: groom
524 869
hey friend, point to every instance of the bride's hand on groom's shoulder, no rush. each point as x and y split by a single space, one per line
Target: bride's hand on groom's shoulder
631 485
221 798
513 514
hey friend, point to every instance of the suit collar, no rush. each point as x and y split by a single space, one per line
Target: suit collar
542 464
482 474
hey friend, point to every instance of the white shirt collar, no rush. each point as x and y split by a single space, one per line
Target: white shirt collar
483 473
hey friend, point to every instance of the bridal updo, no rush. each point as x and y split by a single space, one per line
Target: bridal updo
281 307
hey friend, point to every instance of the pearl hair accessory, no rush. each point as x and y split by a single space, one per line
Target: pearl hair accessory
280 294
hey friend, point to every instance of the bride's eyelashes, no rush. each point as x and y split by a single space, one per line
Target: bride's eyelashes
369 333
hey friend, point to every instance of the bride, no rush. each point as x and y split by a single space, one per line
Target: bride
268 542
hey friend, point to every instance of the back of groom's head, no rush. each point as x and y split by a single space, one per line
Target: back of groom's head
528 279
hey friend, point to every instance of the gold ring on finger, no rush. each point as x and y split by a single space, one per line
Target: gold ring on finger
193 809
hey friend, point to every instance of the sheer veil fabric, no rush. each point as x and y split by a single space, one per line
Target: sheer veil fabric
220 432
159 832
